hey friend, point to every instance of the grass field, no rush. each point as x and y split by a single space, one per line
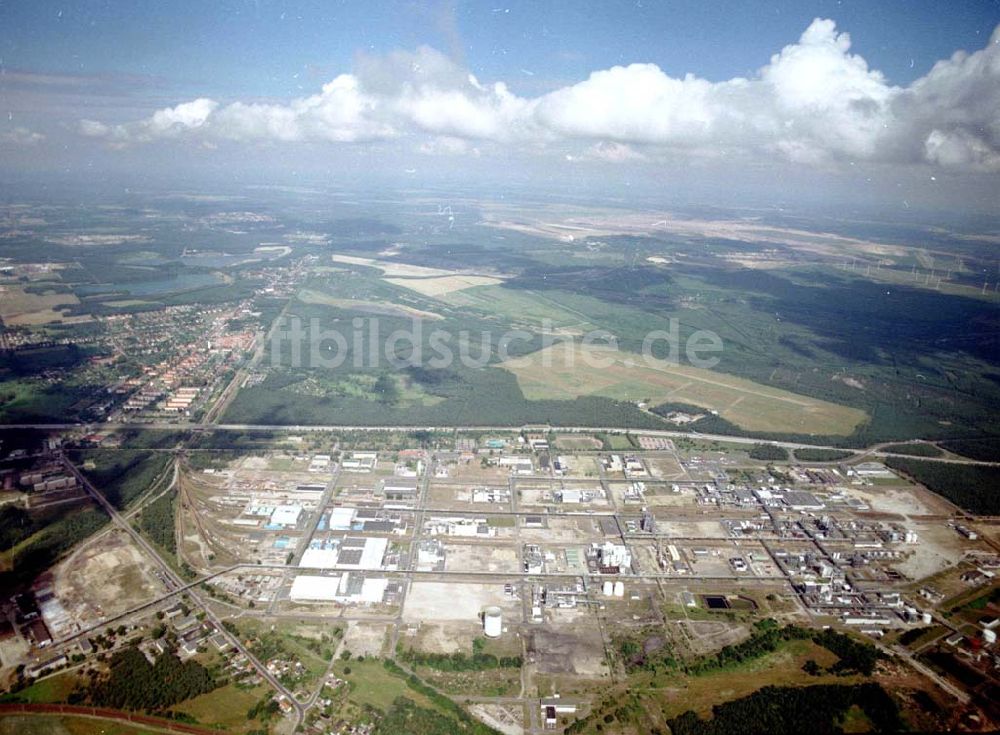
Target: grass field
781 668
373 685
310 296
440 285
425 281
225 707
52 689
20 308
63 725
568 370
521 307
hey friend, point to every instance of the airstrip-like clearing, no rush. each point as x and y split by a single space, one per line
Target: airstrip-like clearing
426 281
569 370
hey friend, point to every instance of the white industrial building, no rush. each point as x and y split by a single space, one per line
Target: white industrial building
360 462
349 553
348 588
519 465
569 495
458 526
286 515
341 519
319 463
612 556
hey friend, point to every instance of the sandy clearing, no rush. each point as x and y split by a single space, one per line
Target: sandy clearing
391 269
439 286
371 307
454 601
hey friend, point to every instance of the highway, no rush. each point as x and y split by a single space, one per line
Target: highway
875 450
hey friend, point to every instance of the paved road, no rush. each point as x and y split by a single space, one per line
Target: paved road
927 671
177 583
876 450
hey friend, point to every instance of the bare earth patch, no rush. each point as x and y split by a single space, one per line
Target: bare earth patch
104 579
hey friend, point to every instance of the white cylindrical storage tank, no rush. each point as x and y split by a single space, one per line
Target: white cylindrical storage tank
927 618
608 588
492 622
619 589
989 636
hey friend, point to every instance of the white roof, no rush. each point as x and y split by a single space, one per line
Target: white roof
314 587
371 557
340 518
319 558
286 515
373 590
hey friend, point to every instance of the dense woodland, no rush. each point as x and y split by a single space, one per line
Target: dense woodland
132 683
776 710
157 521
37 552
820 455
975 488
768 453
123 474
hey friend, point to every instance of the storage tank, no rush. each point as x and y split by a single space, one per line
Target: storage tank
608 588
926 618
492 622
619 589
989 636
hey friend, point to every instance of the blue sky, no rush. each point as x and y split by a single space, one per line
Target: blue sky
282 48
640 91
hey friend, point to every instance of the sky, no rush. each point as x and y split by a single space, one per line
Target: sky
890 102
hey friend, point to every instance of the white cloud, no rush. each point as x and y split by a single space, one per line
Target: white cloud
608 151
21 136
170 122
186 116
448 146
813 103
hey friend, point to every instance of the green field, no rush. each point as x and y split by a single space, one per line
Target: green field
225 708
64 725
569 371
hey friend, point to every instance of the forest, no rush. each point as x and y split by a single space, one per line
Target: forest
37 552
157 521
971 487
122 475
813 709
459 661
133 683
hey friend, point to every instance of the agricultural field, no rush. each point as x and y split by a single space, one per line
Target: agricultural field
21 307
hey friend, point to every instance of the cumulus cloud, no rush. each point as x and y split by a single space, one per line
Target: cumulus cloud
814 102
170 122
